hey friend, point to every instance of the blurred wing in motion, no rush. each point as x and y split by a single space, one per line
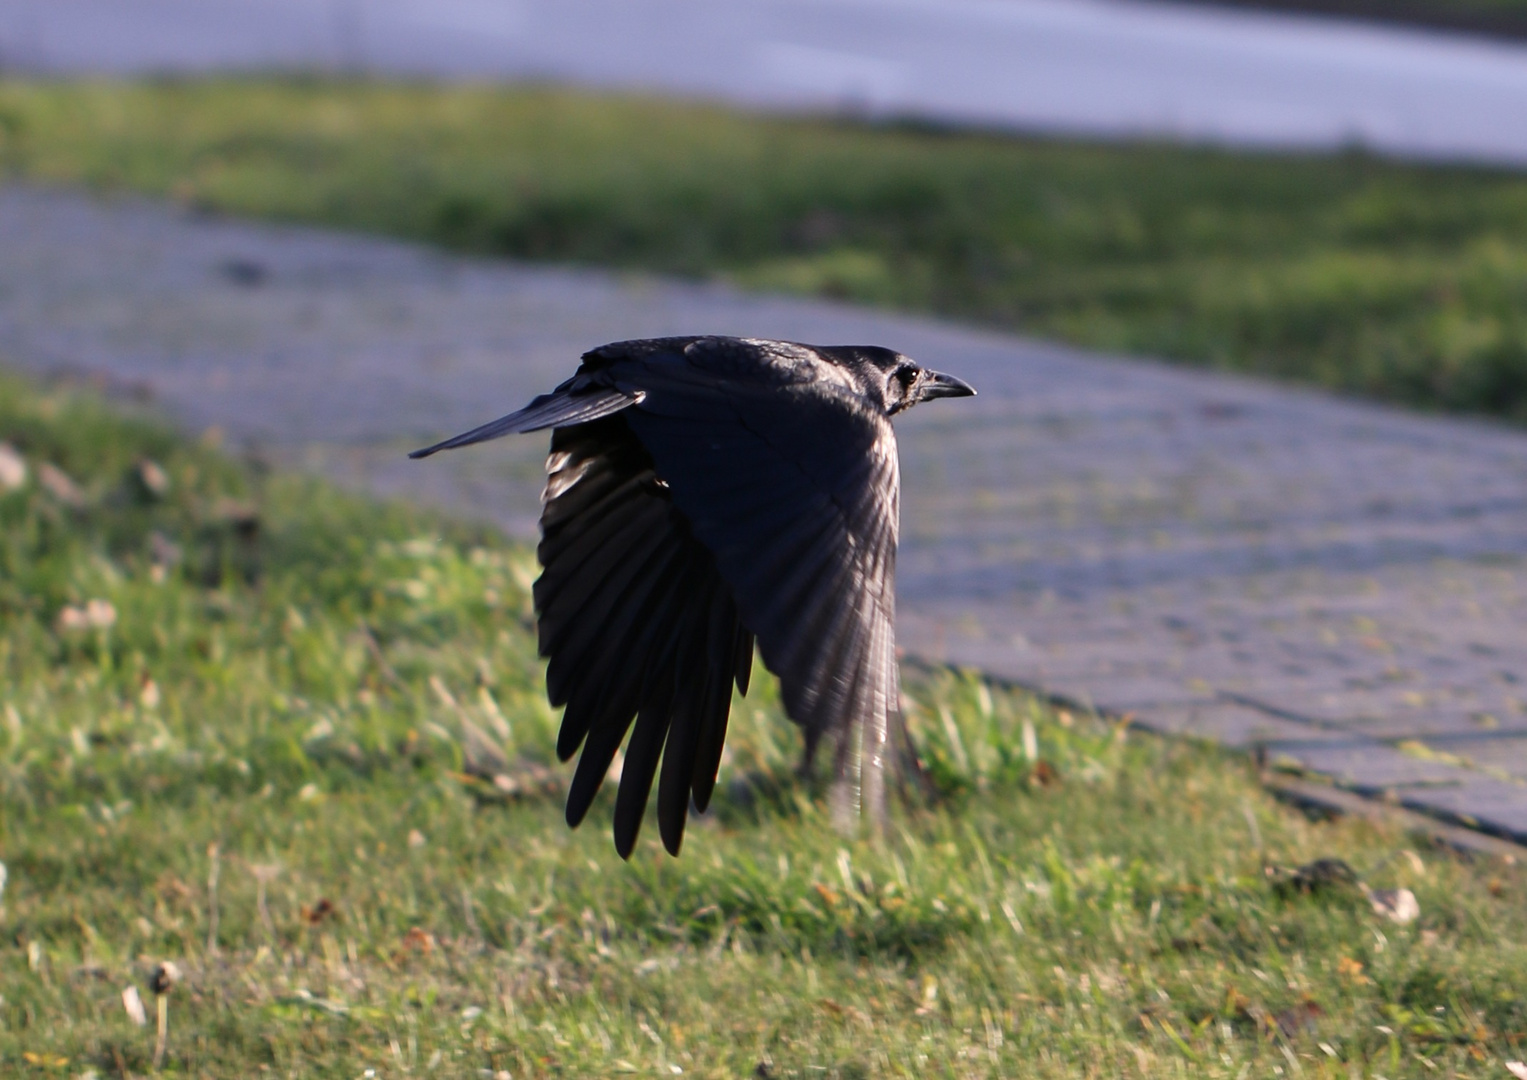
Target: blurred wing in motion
792 488
635 620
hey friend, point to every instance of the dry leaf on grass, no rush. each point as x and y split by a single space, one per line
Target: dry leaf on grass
320 911
1302 1017
417 941
1396 905
94 615
60 485
13 468
132 1004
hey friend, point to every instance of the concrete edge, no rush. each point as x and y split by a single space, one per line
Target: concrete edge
1324 797
1331 799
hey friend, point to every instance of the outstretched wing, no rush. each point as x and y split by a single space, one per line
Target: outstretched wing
789 480
744 488
635 621
579 400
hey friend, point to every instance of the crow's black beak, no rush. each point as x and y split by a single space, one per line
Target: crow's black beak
936 384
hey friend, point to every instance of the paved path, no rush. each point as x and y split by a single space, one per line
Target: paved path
1342 582
1101 67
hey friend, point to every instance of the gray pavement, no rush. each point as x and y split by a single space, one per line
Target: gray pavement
1342 583
1096 67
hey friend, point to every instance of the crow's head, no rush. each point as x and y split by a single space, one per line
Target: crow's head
899 381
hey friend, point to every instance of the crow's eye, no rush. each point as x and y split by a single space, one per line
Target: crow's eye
906 376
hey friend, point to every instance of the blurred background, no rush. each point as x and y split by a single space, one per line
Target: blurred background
1237 74
1316 197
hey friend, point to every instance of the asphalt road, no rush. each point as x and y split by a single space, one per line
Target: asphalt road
1094 67
1341 583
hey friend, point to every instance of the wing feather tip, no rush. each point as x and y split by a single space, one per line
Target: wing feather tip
673 837
627 828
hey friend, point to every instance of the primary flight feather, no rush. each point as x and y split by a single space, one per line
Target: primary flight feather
704 493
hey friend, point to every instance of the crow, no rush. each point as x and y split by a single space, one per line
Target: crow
703 493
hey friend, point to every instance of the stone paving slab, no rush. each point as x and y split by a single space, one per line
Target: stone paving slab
1382 768
1503 755
1495 806
1341 583
1243 728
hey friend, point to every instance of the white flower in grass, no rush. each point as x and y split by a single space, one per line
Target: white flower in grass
132 1004
13 468
94 615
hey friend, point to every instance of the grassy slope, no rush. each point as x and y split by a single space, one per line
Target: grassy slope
1401 282
305 695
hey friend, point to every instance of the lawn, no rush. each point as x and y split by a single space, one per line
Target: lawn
1401 282
295 742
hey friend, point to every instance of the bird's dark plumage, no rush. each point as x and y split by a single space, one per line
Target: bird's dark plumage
702 493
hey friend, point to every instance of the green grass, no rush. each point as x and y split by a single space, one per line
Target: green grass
1401 282
246 698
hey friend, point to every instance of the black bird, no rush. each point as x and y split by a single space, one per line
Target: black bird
701 493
